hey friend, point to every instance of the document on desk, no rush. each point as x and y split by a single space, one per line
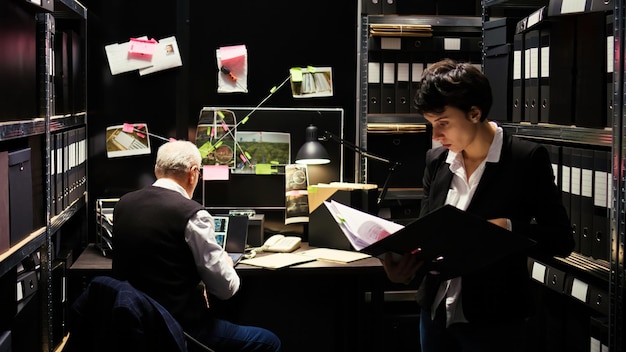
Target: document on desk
278 260
449 240
334 255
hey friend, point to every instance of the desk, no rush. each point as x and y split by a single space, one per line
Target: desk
315 306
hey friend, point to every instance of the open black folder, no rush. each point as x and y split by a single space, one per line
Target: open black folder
452 241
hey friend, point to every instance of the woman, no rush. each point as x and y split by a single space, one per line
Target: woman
483 170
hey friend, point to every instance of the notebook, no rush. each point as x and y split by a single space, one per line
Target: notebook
231 232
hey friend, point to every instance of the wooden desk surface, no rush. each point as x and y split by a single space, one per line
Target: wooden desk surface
91 259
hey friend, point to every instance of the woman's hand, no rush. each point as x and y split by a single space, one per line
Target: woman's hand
401 271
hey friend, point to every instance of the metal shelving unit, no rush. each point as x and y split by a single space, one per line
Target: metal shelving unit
43 126
613 272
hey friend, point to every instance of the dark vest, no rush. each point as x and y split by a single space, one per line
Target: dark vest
149 250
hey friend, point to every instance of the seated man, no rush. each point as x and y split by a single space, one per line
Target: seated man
165 246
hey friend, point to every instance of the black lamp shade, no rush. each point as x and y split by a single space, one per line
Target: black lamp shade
312 151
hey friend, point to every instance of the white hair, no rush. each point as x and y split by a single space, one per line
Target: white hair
177 156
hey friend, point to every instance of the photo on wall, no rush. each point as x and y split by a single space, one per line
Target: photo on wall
127 140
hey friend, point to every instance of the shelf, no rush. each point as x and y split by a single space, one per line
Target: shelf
516 3
11 258
69 9
58 221
435 21
396 118
36 239
68 121
569 134
20 129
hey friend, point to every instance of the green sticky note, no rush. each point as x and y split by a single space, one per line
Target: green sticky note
220 114
263 169
311 69
296 74
205 149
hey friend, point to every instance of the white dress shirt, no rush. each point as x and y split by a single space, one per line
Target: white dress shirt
218 275
460 195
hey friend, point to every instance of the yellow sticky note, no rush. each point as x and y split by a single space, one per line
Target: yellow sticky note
263 169
296 74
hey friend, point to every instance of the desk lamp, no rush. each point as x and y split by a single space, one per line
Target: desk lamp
313 151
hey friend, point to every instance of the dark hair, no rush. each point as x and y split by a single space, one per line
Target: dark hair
448 83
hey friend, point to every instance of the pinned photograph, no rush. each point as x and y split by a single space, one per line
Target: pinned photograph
127 140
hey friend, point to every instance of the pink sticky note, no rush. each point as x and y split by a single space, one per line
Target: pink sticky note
172 139
128 128
140 135
224 126
243 158
232 56
142 48
215 172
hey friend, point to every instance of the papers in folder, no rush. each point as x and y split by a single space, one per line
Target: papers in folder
449 240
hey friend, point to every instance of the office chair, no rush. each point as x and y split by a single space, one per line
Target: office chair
111 315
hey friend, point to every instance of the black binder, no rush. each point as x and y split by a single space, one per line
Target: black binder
601 205
609 70
417 68
388 97
498 69
403 77
590 110
452 241
566 181
576 163
389 7
20 195
557 85
586 201
517 109
374 83
372 7
531 77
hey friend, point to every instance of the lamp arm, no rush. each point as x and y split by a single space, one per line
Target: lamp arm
355 148
365 153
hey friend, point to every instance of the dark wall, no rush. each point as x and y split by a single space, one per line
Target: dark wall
278 35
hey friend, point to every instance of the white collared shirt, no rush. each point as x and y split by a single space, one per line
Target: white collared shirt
219 277
460 195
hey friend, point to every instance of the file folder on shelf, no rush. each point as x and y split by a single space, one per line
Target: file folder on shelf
586 201
590 106
374 83
600 248
531 76
389 7
403 98
417 69
4 202
557 80
388 104
566 180
449 240
20 195
372 7
564 7
575 211
498 69
609 70
519 64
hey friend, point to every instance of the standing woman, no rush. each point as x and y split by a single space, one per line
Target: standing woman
483 170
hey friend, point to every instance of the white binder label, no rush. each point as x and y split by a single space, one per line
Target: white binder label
579 290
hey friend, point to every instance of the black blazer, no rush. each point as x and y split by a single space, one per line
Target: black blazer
519 187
